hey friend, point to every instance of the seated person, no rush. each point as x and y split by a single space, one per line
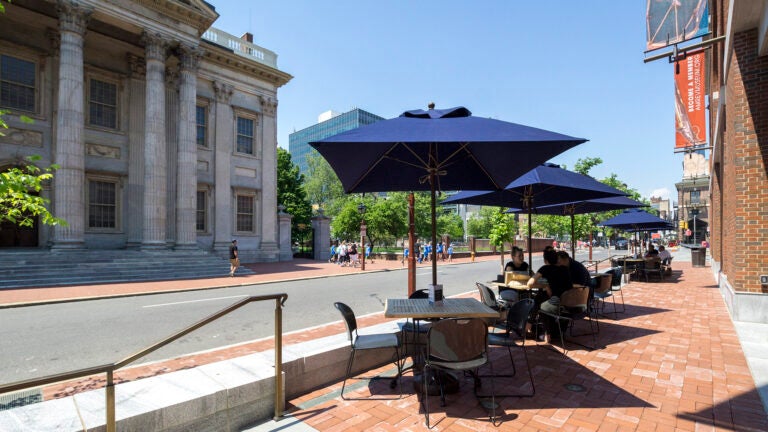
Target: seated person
578 273
558 282
518 261
665 256
652 252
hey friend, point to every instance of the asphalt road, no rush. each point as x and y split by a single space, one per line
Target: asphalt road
37 341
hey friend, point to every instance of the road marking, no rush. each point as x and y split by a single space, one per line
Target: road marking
193 301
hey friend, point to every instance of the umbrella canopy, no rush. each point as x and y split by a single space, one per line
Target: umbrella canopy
584 207
544 185
636 220
438 150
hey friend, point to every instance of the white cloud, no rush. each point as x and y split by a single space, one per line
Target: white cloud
661 192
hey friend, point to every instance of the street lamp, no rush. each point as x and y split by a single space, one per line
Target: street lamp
361 209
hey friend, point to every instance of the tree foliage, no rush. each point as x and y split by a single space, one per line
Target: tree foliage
323 186
291 194
19 202
480 224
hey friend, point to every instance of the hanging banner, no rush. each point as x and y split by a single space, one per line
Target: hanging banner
668 22
690 118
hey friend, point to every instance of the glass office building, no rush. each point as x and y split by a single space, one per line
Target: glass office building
298 142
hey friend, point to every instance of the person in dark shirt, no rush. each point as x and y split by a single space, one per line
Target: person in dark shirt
579 274
518 261
558 282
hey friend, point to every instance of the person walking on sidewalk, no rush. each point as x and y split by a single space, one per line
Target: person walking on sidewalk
234 260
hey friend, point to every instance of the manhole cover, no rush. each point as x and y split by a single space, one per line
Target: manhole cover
575 387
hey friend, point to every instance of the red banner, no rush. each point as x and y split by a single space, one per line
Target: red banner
690 119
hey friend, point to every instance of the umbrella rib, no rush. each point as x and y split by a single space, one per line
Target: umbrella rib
471 156
375 163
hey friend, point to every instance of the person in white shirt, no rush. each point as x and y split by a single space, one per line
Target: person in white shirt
665 256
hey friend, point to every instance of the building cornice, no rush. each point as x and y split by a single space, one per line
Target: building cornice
219 56
194 12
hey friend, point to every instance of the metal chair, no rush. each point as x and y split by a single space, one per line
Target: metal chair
489 299
574 305
616 278
413 329
514 336
456 344
603 290
366 342
653 266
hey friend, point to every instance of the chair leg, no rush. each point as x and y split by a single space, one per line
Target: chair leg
349 370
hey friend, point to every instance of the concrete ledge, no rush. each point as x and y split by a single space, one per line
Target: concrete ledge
222 396
743 306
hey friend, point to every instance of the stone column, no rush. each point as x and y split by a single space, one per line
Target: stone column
269 244
171 152
186 183
69 202
223 145
322 245
155 164
135 211
286 254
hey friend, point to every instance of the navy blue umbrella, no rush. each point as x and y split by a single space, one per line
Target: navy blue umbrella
584 207
438 150
635 220
544 185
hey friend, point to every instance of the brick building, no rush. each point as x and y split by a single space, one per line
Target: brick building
738 121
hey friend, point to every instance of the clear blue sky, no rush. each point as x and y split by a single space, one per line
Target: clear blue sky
574 67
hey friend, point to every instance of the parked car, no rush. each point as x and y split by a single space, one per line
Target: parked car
621 243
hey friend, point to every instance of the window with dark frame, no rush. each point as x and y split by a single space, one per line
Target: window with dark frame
102 104
102 204
202 125
17 83
245 213
244 135
200 224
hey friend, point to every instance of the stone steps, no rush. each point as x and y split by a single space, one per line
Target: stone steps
38 268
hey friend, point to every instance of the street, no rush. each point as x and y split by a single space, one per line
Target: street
43 340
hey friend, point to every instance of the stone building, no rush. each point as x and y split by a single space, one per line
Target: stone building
738 120
163 127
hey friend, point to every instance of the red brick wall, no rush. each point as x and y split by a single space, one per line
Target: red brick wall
744 193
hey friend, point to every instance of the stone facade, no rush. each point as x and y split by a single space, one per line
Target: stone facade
163 127
739 162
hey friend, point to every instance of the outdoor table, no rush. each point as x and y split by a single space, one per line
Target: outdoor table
632 264
450 308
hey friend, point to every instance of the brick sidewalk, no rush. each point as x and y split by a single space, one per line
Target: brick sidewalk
671 362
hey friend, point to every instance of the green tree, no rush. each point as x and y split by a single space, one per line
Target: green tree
19 202
323 186
480 224
502 231
291 194
450 224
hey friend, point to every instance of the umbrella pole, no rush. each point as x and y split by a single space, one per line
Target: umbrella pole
411 243
434 229
573 239
530 241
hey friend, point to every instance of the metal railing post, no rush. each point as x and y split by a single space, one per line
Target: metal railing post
110 393
278 360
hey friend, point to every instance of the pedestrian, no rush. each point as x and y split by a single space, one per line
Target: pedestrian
342 250
368 252
450 253
439 251
405 255
333 254
234 260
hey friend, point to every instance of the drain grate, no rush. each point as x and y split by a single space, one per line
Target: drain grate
25 397
578 388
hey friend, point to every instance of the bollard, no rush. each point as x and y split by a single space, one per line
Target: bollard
472 256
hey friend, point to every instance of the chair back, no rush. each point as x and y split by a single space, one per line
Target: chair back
653 263
349 319
575 298
616 274
517 316
419 294
604 286
487 296
457 340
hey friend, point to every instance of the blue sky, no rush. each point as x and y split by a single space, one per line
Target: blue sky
574 67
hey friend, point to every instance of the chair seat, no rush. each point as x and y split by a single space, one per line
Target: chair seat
469 364
603 295
384 340
420 327
501 339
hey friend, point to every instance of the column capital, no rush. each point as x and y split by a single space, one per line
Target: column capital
268 105
73 16
189 57
172 79
137 66
155 46
223 91
55 39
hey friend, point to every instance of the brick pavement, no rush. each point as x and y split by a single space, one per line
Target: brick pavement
671 362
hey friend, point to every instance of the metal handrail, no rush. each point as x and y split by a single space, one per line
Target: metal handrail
109 369
590 263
